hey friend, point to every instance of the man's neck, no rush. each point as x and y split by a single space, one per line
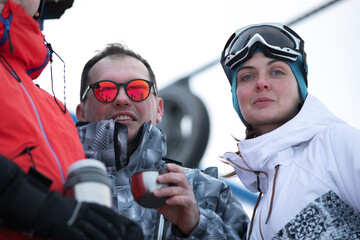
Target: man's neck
2 5
131 149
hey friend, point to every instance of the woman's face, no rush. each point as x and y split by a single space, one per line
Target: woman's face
267 92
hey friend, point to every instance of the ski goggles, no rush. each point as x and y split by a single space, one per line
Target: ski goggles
106 91
275 40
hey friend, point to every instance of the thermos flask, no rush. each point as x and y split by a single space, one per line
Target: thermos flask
87 181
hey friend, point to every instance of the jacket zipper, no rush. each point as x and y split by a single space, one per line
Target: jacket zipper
44 134
161 227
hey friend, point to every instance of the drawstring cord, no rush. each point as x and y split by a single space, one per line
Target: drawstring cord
9 68
258 186
48 45
258 201
273 193
27 150
248 170
10 43
260 194
253 215
261 234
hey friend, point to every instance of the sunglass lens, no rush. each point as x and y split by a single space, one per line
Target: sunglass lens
138 90
105 91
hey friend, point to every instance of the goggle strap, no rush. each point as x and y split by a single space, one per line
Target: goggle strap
305 69
293 33
228 43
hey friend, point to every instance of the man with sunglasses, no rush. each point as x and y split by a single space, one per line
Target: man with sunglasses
117 116
38 143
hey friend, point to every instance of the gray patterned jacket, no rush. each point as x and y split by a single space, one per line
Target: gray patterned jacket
221 214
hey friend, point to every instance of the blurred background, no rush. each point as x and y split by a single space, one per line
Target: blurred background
183 40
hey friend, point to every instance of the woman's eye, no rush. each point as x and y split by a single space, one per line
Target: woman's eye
246 77
277 72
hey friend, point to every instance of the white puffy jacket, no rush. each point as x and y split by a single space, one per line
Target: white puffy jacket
308 171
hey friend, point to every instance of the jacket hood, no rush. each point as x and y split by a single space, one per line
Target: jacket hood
259 156
20 38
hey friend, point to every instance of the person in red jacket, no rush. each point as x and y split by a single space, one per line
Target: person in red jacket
38 142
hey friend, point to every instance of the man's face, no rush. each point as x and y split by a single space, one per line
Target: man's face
31 6
122 109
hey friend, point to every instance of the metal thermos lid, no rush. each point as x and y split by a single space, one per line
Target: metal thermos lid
87 170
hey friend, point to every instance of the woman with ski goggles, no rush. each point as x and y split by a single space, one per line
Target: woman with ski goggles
303 160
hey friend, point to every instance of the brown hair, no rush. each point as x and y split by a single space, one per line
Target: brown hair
115 50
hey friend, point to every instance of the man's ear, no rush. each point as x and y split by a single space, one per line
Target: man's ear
159 109
80 113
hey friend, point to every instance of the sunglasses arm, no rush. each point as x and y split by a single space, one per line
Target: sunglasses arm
86 91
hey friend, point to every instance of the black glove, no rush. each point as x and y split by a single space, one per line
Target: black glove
64 218
25 206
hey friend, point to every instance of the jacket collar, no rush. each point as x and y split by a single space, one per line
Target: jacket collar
259 156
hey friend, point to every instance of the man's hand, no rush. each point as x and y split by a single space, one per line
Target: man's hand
181 208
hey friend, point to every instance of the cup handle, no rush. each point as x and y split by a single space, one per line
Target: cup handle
163 171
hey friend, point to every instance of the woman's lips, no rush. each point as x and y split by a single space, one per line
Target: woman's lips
263 101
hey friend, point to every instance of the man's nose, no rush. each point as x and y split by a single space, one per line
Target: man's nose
122 98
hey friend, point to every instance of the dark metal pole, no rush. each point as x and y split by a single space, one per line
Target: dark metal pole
316 10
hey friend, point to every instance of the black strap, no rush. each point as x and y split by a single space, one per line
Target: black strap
120 145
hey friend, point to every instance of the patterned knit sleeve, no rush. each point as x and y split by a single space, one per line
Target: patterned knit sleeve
221 213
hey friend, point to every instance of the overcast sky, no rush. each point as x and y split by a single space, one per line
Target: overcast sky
179 37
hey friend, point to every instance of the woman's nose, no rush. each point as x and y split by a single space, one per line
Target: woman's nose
263 83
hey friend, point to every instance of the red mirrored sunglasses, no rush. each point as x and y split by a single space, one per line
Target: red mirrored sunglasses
106 91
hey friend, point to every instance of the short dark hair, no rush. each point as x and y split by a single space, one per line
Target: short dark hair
115 50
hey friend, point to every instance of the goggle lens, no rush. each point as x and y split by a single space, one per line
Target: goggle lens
272 35
106 91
